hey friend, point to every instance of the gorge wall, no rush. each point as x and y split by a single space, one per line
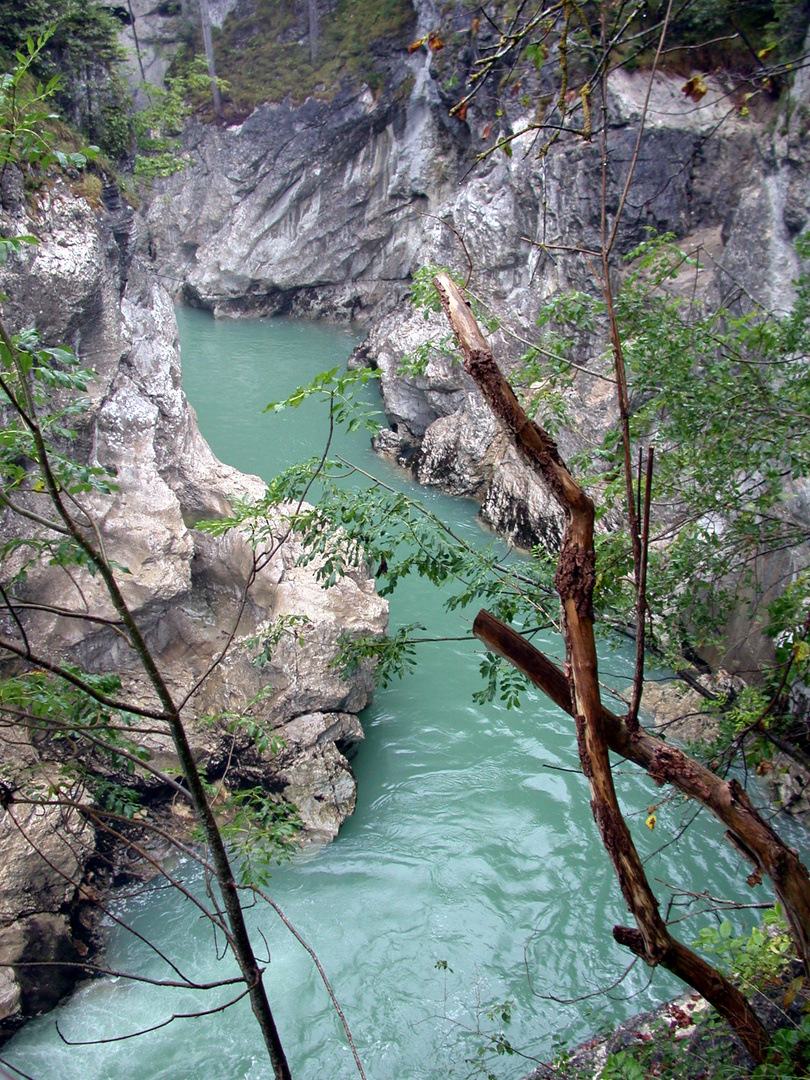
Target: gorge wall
84 286
328 208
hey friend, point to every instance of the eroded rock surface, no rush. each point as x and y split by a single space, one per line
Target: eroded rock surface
188 590
332 206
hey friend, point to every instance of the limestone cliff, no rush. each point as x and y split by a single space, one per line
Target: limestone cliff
81 286
328 208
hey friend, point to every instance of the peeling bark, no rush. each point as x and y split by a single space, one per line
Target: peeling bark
575 582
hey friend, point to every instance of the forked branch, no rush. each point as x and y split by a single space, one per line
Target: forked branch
574 582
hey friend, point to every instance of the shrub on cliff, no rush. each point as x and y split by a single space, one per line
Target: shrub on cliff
82 50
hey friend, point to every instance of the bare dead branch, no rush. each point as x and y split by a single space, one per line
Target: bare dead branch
641 596
574 582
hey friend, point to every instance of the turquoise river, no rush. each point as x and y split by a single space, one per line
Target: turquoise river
470 873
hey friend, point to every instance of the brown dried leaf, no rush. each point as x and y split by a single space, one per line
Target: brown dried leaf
434 41
415 45
695 88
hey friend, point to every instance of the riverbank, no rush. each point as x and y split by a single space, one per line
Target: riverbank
683 1040
199 601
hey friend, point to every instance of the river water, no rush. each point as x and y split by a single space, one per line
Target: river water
470 873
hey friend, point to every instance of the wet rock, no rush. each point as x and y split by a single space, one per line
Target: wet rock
40 939
314 768
397 446
45 851
789 784
187 590
677 713
519 506
12 188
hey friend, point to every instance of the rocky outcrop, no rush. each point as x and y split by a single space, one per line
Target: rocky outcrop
329 208
788 783
46 850
677 712
304 209
189 591
688 181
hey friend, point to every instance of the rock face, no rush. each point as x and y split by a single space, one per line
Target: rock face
152 33
788 783
300 209
45 852
331 207
189 591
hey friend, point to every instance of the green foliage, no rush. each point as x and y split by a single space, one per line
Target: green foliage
726 457
708 1055
623 1066
81 51
393 655
79 728
261 829
787 626
26 140
423 293
112 124
264 54
484 1029
384 529
244 720
545 372
757 958
342 393
425 298
501 681
55 384
725 398
81 32
775 29
284 626
788 1054
742 722
789 27
706 17
158 126
9 244
117 799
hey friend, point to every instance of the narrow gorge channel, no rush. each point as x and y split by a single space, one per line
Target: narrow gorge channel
472 845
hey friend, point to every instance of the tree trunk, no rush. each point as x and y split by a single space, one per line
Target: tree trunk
313 29
205 19
574 581
135 36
